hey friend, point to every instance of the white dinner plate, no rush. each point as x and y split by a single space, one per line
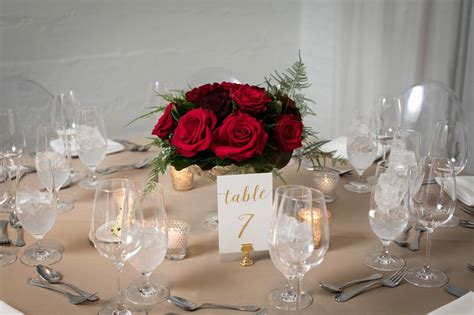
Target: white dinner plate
112 147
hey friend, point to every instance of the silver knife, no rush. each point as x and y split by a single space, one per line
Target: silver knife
455 290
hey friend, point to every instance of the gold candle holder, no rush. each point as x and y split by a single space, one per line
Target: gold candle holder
182 180
316 215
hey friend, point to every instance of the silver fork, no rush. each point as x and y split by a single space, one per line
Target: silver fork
73 299
467 209
4 240
391 282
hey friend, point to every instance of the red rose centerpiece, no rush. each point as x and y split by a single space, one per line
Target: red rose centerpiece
236 125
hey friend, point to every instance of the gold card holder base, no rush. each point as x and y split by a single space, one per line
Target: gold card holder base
246 260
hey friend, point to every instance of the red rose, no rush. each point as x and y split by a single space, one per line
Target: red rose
287 133
214 97
229 86
198 93
240 137
166 124
251 99
194 132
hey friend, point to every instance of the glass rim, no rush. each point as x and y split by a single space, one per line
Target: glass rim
117 180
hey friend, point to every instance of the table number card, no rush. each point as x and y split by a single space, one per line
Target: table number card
245 211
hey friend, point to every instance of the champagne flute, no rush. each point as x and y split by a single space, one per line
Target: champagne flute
6 257
154 243
361 151
36 210
12 144
388 214
433 205
299 239
281 298
116 229
388 120
91 142
60 163
450 141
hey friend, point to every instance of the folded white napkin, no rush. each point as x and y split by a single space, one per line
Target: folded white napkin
6 309
464 189
112 147
462 305
340 146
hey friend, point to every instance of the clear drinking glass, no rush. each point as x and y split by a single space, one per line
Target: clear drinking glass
36 210
388 120
433 205
388 214
298 241
361 151
46 157
6 257
91 143
450 141
65 111
116 230
12 145
154 243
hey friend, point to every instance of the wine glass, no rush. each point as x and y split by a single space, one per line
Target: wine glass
281 297
298 240
388 214
433 205
388 120
6 257
450 141
12 145
65 111
91 142
154 243
36 210
59 162
361 151
115 229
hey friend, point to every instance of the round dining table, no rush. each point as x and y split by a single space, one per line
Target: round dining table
205 276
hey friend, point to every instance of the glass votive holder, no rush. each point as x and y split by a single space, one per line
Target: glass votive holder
182 180
178 232
326 181
316 216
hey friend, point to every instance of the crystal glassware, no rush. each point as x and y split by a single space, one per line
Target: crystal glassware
450 142
178 232
388 120
36 210
60 162
388 214
298 241
12 145
116 230
91 141
361 151
433 206
154 243
326 181
6 257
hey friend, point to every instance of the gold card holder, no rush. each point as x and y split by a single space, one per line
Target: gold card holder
246 260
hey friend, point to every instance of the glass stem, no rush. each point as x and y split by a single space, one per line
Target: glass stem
427 267
145 285
385 254
298 291
93 178
384 152
120 306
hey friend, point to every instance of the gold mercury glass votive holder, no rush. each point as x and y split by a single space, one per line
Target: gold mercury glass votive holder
178 232
326 181
316 215
182 180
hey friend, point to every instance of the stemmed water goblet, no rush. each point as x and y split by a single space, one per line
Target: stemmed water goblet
388 120
154 243
298 240
388 214
58 163
361 151
115 230
91 143
433 206
6 257
450 142
36 210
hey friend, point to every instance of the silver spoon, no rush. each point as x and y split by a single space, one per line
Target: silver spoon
15 223
190 306
52 276
338 289
74 299
403 241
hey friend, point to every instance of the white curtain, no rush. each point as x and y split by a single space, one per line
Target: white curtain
382 47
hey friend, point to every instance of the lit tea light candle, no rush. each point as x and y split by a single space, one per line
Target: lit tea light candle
315 218
177 239
326 181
